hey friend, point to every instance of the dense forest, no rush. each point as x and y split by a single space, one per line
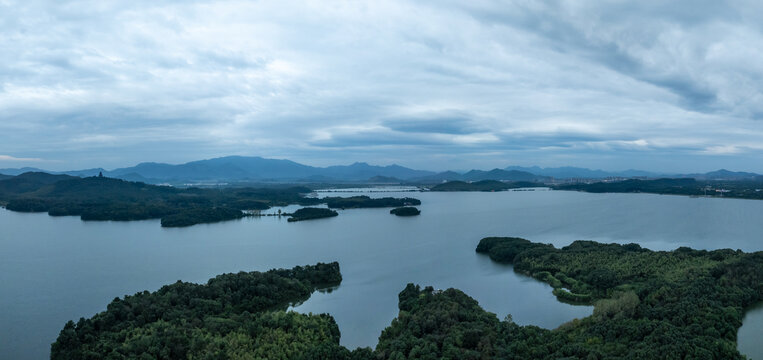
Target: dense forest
405 211
102 198
732 189
484 185
233 316
648 304
200 215
309 213
678 304
743 189
368 202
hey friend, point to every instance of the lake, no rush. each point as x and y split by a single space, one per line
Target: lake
55 269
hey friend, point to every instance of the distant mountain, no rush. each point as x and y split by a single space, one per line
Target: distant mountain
479 175
318 179
19 171
383 180
135 177
84 173
439 177
241 168
79 173
724 174
569 172
361 170
197 170
483 185
499 174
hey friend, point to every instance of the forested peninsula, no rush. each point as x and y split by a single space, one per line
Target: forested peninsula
233 316
103 198
647 304
740 189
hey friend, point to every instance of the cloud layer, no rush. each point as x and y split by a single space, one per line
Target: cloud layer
433 84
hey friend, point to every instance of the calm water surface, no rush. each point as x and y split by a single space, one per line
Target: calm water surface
56 269
751 333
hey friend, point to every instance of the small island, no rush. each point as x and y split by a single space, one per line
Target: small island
405 211
310 213
195 216
363 201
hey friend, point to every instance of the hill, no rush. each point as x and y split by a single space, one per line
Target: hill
241 168
570 172
438 178
361 171
244 169
505 175
724 174
19 171
383 180
484 185
479 175
28 182
254 169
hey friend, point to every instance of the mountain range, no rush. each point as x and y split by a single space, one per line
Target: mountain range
258 169
241 168
569 172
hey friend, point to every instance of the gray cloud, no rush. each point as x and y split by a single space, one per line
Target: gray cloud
666 44
455 123
11 158
87 83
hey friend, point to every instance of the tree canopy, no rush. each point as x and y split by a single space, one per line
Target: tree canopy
405 211
364 201
676 304
103 198
309 213
233 316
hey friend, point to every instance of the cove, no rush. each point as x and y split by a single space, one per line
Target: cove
748 337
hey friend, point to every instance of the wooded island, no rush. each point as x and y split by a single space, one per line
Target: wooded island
103 198
647 304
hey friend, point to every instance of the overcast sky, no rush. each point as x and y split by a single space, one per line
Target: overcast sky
663 85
